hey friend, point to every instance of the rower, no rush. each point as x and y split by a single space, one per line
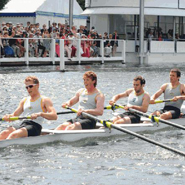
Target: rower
173 90
137 99
36 106
91 101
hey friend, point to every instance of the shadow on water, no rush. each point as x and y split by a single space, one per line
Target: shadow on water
107 67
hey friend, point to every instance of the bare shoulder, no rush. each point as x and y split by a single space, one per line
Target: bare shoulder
163 87
147 95
23 100
46 100
128 91
80 91
182 87
100 94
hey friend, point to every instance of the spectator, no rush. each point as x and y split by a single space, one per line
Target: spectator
7 50
12 43
57 45
160 37
40 43
33 48
20 44
86 50
46 42
98 44
85 31
105 38
115 38
107 50
67 48
111 42
94 47
72 43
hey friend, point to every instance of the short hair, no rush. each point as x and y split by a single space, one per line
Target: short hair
92 76
177 71
141 79
32 78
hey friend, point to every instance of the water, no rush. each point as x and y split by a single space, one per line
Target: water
119 160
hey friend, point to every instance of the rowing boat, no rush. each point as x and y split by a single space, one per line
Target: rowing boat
49 136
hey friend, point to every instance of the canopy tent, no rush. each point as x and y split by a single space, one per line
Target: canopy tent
54 10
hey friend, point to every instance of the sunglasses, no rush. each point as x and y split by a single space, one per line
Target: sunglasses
30 86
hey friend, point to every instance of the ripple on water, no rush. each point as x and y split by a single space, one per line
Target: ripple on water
114 160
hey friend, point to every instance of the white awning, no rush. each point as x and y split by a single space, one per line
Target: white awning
134 11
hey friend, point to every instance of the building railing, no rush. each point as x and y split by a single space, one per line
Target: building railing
57 51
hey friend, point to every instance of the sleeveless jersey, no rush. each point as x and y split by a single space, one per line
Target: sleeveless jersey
170 92
31 107
87 101
133 99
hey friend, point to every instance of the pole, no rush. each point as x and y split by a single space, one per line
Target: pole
141 32
70 13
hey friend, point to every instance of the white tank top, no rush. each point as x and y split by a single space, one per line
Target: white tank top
170 92
87 101
31 107
133 99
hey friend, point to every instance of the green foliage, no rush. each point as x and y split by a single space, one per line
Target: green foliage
81 3
3 3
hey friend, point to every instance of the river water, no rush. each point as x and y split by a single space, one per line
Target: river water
119 160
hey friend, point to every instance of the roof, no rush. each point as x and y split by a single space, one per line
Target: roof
135 11
33 6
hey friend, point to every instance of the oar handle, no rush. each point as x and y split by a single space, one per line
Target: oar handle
111 107
16 118
66 112
163 101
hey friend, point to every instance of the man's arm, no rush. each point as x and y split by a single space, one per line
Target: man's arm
73 100
121 95
157 94
50 114
17 112
144 106
182 94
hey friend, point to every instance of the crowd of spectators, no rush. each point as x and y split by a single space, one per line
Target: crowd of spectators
12 40
157 34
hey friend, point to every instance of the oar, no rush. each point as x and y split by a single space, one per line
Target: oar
65 112
163 101
110 124
112 107
58 113
16 118
155 118
29 117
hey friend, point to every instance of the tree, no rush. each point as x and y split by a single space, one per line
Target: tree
81 3
3 3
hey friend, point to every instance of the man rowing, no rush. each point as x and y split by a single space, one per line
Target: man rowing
91 101
36 106
137 99
173 90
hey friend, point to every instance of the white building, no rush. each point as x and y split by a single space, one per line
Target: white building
123 16
41 11
108 15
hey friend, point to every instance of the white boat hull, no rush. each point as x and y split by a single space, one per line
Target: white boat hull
76 135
